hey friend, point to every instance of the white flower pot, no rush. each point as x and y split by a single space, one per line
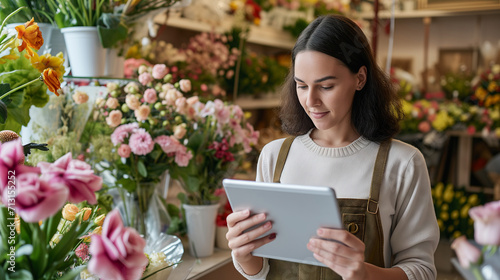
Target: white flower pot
200 221
87 57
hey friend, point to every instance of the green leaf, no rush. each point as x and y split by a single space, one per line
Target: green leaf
111 30
70 275
39 256
21 275
4 230
142 168
49 227
127 184
3 112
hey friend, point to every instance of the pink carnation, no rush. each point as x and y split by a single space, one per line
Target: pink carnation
150 95
77 175
122 132
159 71
141 142
82 251
145 78
118 253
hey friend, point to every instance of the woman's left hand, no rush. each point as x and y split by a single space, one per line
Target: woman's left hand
346 257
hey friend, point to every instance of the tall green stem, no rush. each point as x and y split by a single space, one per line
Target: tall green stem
19 87
9 16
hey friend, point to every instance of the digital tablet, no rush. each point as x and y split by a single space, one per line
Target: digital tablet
296 212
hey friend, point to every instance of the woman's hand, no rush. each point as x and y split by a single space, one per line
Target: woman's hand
243 243
346 257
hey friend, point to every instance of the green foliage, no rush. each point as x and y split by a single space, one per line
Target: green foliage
37 9
456 86
16 73
296 28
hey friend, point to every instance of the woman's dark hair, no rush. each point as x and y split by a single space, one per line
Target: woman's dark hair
376 109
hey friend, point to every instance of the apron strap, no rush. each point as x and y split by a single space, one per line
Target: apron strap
280 162
378 175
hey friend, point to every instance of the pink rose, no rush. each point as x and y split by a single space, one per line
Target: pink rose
132 101
124 151
142 113
145 78
77 175
141 142
118 253
168 143
38 199
115 118
150 95
424 127
466 252
80 97
112 103
159 71
185 85
183 157
487 223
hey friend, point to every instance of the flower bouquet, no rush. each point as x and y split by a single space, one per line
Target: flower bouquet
474 262
487 88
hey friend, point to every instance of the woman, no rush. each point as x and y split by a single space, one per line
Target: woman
343 113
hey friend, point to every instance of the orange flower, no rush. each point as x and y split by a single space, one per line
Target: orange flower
69 212
86 213
31 36
48 61
51 79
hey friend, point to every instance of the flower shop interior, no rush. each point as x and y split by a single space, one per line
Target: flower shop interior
133 134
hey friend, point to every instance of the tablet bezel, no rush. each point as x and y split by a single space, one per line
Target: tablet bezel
285 205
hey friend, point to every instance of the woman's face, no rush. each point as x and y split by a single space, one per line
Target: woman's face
326 88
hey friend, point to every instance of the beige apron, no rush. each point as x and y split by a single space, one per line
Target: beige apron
360 217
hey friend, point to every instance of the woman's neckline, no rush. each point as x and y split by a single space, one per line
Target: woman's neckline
350 149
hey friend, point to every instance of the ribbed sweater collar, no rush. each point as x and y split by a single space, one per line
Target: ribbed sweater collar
348 150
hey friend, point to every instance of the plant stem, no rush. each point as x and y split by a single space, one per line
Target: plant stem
9 16
18 88
477 274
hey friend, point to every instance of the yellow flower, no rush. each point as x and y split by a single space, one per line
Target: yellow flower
465 211
17 222
481 93
439 189
454 214
440 224
48 61
86 213
10 44
457 234
31 36
100 220
444 216
492 86
69 212
473 199
51 79
497 132
448 195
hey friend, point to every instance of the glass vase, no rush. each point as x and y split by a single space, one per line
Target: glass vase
145 208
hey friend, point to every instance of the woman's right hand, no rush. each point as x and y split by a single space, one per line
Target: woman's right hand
243 243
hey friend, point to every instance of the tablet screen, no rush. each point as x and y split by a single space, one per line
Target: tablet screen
296 212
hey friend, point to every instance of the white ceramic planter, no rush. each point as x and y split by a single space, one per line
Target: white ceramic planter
87 57
200 221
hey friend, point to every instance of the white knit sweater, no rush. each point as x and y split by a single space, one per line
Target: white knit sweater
411 233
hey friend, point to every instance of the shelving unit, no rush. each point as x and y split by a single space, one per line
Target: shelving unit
265 36
424 13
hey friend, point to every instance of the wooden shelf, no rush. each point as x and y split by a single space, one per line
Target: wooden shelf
424 13
265 36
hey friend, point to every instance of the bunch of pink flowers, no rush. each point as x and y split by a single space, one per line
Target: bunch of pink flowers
42 191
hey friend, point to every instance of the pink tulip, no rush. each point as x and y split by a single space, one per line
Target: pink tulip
77 175
37 199
118 253
486 223
466 252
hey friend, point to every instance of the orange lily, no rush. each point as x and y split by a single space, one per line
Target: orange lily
31 36
51 79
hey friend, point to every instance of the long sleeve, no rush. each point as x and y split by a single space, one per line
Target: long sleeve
415 233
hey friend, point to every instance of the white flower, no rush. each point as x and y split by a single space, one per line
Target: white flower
157 259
